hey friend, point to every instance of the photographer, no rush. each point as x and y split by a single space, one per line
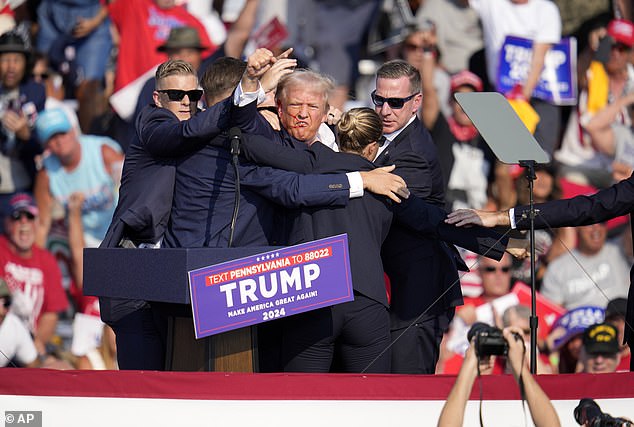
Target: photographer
542 411
589 414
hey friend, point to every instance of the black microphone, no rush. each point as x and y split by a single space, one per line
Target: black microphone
234 136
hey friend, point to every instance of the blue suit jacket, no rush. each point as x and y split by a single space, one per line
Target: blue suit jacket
365 220
420 268
204 195
147 183
606 204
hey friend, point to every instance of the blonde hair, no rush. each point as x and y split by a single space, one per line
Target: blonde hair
358 128
173 67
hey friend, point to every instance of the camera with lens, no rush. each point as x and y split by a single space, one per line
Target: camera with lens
589 413
489 340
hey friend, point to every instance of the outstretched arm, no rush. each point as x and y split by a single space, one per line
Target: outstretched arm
468 217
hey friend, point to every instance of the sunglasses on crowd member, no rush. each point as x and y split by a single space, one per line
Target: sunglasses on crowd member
18 215
178 95
6 302
413 46
396 103
491 269
621 47
41 76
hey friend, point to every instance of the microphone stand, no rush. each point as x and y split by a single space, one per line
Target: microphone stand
530 176
234 135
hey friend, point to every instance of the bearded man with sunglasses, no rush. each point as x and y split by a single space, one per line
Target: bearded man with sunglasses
30 272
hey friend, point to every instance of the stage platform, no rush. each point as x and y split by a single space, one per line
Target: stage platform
138 398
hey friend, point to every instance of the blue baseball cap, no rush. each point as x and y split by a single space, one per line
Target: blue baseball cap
574 322
22 202
51 122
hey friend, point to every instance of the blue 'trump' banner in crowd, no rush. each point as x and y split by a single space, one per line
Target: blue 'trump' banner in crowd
558 81
270 285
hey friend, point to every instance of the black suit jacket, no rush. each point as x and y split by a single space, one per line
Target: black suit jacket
606 204
416 159
423 271
147 182
364 219
204 196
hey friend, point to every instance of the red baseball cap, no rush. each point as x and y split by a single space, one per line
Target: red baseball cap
466 78
622 31
22 202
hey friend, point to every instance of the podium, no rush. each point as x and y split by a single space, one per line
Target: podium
160 276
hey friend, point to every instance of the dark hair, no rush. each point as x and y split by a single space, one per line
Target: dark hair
14 42
221 76
398 68
358 128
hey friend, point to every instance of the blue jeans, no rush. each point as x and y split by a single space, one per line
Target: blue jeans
57 20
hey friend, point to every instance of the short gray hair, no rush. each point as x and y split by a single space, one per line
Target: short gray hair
520 311
305 78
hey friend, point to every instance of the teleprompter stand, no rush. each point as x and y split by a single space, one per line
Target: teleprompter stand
160 277
512 143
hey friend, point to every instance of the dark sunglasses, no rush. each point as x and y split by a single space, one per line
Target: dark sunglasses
621 47
178 95
396 103
43 76
412 46
18 215
6 302
493 269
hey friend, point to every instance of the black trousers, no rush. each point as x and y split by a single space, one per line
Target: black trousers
141 340
415 350
356 332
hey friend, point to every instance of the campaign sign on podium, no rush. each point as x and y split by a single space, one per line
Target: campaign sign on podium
270 285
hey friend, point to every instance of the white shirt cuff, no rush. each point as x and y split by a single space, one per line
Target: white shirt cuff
241 98
512 218
356 184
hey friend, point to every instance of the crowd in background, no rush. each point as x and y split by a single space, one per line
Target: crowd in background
75 73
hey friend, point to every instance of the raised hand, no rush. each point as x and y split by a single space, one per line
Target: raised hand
279 69
258 63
